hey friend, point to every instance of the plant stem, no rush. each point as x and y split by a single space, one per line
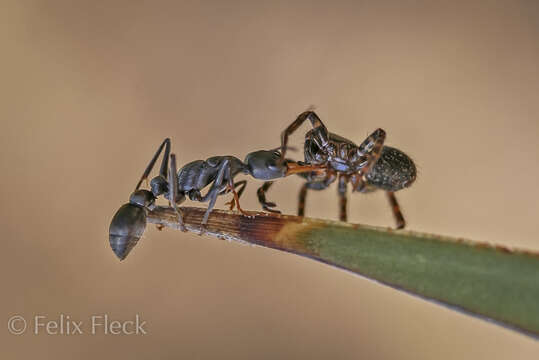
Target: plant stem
492 282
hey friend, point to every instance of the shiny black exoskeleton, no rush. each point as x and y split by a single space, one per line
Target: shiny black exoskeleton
129 222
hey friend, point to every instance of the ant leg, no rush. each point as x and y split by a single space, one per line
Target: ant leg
214 191
343 182
261 192
396 210
232 188
320 132
164 164
173 193
213 197
241 183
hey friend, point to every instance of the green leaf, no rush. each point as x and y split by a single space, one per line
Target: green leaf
489 281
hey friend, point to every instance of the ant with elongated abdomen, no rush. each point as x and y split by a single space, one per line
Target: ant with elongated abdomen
368 167
129 222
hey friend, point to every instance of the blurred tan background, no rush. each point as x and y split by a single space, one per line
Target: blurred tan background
89 90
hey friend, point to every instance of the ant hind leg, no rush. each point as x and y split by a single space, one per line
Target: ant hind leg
173 193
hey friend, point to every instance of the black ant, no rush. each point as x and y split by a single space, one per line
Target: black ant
368 167
129 222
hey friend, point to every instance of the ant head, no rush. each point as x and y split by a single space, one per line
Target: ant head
265 164
159 186
143 198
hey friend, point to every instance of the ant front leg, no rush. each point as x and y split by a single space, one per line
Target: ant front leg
399 219
292 167
320 132
266 205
